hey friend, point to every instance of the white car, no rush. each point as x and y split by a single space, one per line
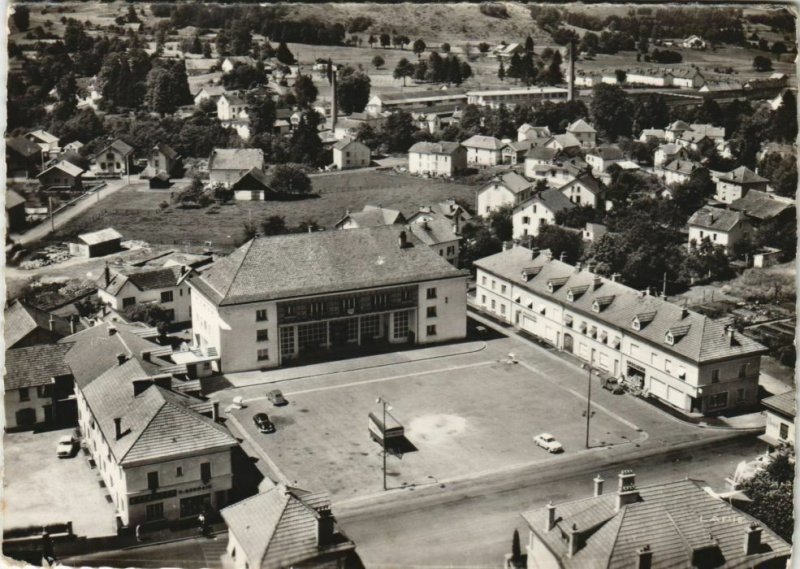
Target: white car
548 442
66 446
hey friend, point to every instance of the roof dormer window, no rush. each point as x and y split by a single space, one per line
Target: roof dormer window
575 292
554 284
675 333
642 319
602 302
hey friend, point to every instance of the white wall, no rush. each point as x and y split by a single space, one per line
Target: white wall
494 197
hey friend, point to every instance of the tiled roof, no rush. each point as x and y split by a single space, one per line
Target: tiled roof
710 131
234 98
552 199
198 64
100 236
443 147
255 174
512 181
519 145
671 148
13 199
682 166
119 145
541 131
321 262
585 180
236 159
21 319
742 175
566 140
434 232
674 519
709 217
64 166
166 150
23 146
783 403
44 136
345 142
373 216
607 152
654 132
678 126
212 90
543 153
693 136
483 142
35 365
762 205
707 340
580 125
144 279
277 528
429 94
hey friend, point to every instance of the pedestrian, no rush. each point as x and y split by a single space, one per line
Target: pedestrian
138 532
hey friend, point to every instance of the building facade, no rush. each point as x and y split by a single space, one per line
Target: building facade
483 150
437 158
165 286
350 153
509 190
780 411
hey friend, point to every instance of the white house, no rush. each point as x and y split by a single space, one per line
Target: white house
232 107
113 159
440 234
719 226
437 158
507 190
566 141
350 153
212 92
584 190
227 165
666 153
677 171
483 150
370 216
166 286
780 411
694 42
537 211
735 184
602 157
675 130
231 61
584 132
536 134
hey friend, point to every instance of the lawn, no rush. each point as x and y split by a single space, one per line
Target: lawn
137 215
463 420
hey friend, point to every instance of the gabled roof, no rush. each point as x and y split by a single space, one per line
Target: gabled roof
674 519
707 340
783 403
23 146
580 125
545 153
119 145
255 174
540 131
709 130
678 126
742 175
483 142
434 231
682 166
21 319
670 148
44 136
762 205
277 528
166 150
347 141
144 279
100 236
511 181
566 140
236 159
518 145
35 365
585 180
233 98
373 216
444 147
13 199
551 199
607 152
694 136
66 167
213 91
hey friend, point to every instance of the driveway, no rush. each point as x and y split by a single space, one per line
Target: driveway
40 488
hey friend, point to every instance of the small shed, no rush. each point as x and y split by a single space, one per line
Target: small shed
15 211
97 243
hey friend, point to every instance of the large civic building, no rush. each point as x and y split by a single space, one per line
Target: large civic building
680 357
312 295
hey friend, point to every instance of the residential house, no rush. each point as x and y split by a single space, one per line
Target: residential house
232 107
511 97
232 61
584 190
483 150
209 92
253 185
652 134
719 226
227 165
15 212
688 78
508 50
567 141
163 159
24 159
199 66
735 184
370 216
337 291
675 130
49 143
780 411
97 243
161 454
602 157
666 153
593 232
584 132
25 325
536 134
761 206
654 77
440 234
350 153
74 146
62 175
696 141
682 358
669 524
715 133
508 189
123 288
514 152
694 42
437 158
286 527
677 171
30 377
533 214
113 159
587 79
448 209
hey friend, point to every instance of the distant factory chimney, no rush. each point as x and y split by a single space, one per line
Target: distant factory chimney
571 72
334 103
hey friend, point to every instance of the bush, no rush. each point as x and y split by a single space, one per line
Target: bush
494 10
666 56
483 47
359 24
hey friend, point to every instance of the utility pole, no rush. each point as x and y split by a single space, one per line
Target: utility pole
50 203
664 287
384 404
589 399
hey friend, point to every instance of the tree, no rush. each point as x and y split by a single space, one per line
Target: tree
560 240
241 38
152 314
611 111
372 40
516 550
782 173
306 144
159 97
404 69
262 112
445 47
707 260
477 242
242 76
529 44
366 133
651 111
577 217
761 63
21 17
501 71
352 89
305 91
778 49
222 42
771 492
785 118
274 225
484 47
386 40
621 76
418 47
398 132
692 195
377 62
207 52
471 120
283 54
290 179
191 195
500 222
222 193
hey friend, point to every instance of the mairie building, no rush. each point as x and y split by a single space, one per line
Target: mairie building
682 358
310 296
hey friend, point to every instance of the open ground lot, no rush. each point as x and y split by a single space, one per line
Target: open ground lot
136 214
460 420
40 488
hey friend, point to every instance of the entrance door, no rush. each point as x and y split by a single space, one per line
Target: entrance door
568 343
195 505
338 331
26 417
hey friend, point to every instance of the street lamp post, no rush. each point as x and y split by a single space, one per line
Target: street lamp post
384 404
589 399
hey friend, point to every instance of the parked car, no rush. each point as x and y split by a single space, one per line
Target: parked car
613 385
263 423
66 446
277 398
548 442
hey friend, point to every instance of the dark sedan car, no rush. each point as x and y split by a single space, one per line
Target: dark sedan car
263 423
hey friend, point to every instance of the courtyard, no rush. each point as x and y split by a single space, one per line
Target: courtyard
463 416
40 488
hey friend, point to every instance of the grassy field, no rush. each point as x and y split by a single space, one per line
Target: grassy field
136 213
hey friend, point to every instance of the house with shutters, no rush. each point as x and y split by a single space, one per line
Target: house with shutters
655 526
584 132
677 171
122 288
49 143
533 214
602 157
508 189
682 358
735 184
584 190
330 292
350 153
437 158
163 159
723 227
113 159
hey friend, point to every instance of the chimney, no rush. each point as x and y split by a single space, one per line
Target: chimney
457 224
578 267
146 355
573 540
597 282
684 313
52 323
534 252
752 539
614 277
551 516
107 273
334 102
549 255
645 557
215 411
121 359
403 240
598 485
117 428
627 492
325 526
139 385
729 330
571 72
73 323
111 330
